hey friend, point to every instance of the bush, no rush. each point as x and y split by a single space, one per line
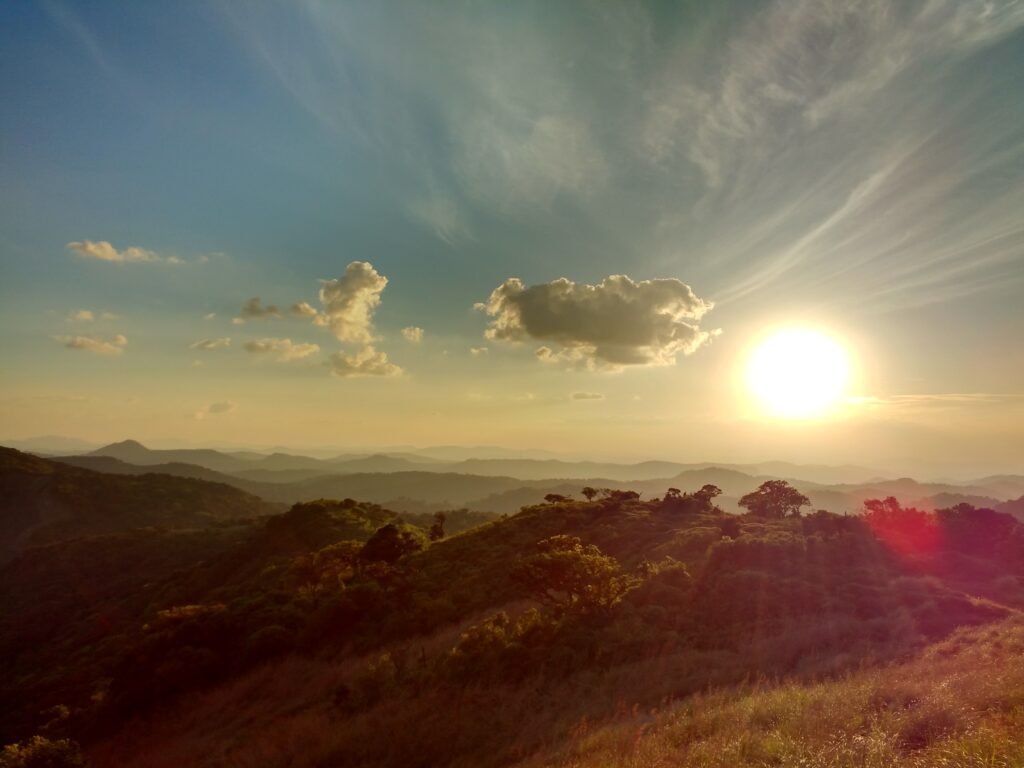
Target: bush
267 643
40 752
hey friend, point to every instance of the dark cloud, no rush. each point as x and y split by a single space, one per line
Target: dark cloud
254 309
616 323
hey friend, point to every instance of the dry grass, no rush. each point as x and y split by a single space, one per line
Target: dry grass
959 704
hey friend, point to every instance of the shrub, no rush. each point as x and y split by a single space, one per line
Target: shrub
40 752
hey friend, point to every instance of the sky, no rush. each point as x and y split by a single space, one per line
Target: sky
562 226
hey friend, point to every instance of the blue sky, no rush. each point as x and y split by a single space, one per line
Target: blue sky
855 167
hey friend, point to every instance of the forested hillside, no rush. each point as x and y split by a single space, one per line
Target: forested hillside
44 501
302 638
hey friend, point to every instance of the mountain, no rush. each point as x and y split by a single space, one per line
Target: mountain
43 501
112 466
1013 507
133 452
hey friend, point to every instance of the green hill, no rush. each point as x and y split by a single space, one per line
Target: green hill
43 501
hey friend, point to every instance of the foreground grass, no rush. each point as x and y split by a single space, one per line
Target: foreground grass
958 704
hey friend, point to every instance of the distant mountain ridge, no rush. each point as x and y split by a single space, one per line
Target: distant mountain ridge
423 487
250 465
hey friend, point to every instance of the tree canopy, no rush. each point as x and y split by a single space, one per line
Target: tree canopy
775 499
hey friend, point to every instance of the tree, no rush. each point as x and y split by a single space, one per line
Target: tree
707 492
388 545
905 530
556 498
589 493
436 532
673 494
571 576
774 498
618 496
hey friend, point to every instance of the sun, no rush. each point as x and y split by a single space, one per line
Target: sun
798 373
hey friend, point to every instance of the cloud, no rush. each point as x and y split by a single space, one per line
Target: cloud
114 346
209 316
88 316
215 409
477 351
208 344
615 323
366 362
441 215
284 349
413 334
104 251
254 309
586 396
304 309
350 301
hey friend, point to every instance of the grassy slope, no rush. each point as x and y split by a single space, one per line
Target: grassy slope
957 704
585 690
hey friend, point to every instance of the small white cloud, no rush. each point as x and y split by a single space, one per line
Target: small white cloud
209 316
237 321
477 351
366 362
104 251
413 334
285 350
586 396
215 409
88 316
114 346
208 344
304 309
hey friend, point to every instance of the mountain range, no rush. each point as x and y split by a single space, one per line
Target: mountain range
417 484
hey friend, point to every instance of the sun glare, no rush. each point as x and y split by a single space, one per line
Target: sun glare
798 373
